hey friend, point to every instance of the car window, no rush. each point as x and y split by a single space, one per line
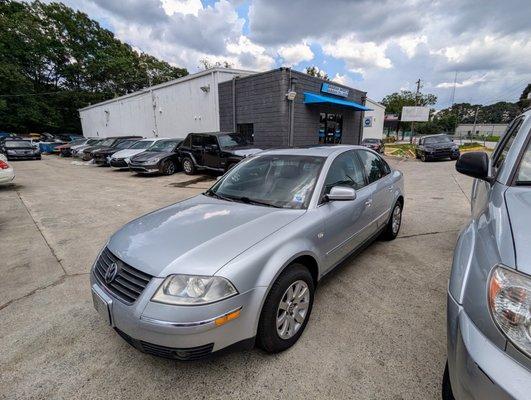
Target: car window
209 140
375 167
197 140
500 153
523 176
187 141
344 171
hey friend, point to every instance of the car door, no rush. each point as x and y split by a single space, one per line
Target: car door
345 222
197 148
381 186
211 154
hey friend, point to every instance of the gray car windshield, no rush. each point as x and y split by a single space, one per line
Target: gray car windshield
18 143
523 177
271 180
163 145
142 144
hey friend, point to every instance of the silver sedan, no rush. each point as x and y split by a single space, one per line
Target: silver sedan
240 262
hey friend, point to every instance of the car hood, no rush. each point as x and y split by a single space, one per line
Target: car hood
518 201
146 155
105 149
196 236
127 153
243 151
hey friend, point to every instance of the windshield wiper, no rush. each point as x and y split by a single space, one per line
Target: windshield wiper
247 200
211 193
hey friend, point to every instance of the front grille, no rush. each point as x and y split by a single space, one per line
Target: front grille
186 354
129 282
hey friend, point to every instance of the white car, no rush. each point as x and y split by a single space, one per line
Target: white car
7 173
120 158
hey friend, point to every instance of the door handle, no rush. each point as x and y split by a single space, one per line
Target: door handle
390 188
368 202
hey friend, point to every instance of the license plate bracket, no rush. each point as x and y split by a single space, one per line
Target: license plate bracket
102 306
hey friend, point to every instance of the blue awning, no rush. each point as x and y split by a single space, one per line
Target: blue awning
314 98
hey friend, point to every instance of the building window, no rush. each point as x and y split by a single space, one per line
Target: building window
247 131
330 128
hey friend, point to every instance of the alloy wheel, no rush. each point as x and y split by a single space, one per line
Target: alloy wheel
397 219
293 309
187 166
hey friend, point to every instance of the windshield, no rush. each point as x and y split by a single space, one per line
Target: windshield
164 145
283 181
232 140
91 142
77 142
142 144
523 177
107 142
18 143
126 144
437 139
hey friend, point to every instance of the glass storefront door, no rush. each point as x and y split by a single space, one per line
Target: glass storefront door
330 128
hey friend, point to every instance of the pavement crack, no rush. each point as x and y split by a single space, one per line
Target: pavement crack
460 188
58 281
427 233
41 233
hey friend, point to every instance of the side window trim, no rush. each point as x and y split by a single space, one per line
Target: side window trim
505 139
365 172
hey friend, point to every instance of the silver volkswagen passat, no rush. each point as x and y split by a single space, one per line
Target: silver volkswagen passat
489 296
241 261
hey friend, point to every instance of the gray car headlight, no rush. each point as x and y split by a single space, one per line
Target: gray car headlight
154 160
188 290
509 295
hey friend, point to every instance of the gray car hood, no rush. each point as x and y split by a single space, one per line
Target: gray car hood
196 236
519 207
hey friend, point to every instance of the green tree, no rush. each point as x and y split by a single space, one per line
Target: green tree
318 73
54 60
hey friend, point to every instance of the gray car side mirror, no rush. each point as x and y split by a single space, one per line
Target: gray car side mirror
341 193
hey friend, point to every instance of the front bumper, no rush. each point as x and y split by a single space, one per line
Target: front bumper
101 159
478 368
7 175
118 163
181 332
31 156
440 154
144 168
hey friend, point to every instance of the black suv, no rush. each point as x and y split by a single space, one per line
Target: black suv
217 151
436 147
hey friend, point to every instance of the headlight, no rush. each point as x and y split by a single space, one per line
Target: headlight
127 160
510 305
154 160
454 148
187 290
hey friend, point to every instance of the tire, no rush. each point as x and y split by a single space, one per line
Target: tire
391 230
447 393
453 158
423 157
168 167
188 166
269 336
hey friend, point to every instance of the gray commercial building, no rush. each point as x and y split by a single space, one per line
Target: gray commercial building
283 107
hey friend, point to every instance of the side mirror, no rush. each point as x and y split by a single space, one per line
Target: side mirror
474 164
341 193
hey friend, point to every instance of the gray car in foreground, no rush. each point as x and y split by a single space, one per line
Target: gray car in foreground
489 295
241 261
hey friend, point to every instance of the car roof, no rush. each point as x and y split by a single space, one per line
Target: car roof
214 133
316 151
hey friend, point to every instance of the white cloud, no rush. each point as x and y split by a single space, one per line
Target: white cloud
342 79
358 55
467 82
409 43
182 6
295 54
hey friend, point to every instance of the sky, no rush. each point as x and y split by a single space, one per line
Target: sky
379 46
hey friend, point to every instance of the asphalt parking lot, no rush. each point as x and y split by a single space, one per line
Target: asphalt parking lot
377 330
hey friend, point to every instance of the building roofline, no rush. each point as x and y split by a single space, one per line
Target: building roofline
169 83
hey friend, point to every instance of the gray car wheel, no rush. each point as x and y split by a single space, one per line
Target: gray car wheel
188 166
394 223
286 310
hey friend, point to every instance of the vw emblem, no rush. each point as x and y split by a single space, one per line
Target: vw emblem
111 272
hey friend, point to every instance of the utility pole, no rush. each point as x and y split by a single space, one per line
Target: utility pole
416 104
475 121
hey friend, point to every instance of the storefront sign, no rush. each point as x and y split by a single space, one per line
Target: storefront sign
332 89
367 122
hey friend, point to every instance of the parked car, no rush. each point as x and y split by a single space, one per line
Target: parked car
374 144
118 159
19 149
7 173
436 147
109 142
65 149
102 156
77 150
489 295
162 157
241 261
218 151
